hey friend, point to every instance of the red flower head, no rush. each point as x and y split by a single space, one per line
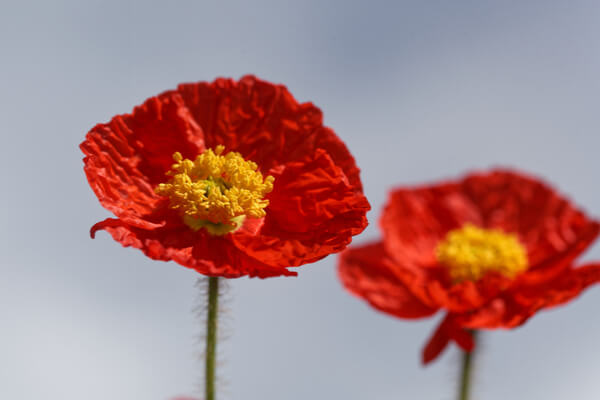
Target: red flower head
228 178
491 250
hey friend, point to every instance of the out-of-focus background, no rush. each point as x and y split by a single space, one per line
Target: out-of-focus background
419 91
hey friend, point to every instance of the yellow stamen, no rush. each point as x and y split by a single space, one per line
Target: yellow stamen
216 192
470 252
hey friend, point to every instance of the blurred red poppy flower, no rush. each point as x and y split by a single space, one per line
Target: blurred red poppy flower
228 178
491 250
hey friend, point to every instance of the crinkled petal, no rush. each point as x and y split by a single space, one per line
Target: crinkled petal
515 307
365 271
313 211
556 263
434 289
414 221
548 224
207 254
264 123
446 331
128 156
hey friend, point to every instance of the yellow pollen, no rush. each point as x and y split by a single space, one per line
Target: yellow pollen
215 191
470 252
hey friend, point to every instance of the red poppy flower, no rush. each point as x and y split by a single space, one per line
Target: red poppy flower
491 250
228 178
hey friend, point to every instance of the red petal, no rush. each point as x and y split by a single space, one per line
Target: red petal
516 306
447 330
414 221
547 223
127 157
434 288
366 272
496 314
561 290
556 263
463 296
264 123
435 345
209 255
313 212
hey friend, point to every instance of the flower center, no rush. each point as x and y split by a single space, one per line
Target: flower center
470 252
216 192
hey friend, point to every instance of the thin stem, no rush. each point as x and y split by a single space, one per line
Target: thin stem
211 337
466 372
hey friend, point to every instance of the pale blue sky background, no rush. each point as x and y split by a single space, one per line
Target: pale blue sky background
419 90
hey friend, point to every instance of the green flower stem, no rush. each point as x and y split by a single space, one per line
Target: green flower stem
466 373
211 337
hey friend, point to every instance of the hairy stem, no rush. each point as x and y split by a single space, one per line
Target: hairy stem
211 337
